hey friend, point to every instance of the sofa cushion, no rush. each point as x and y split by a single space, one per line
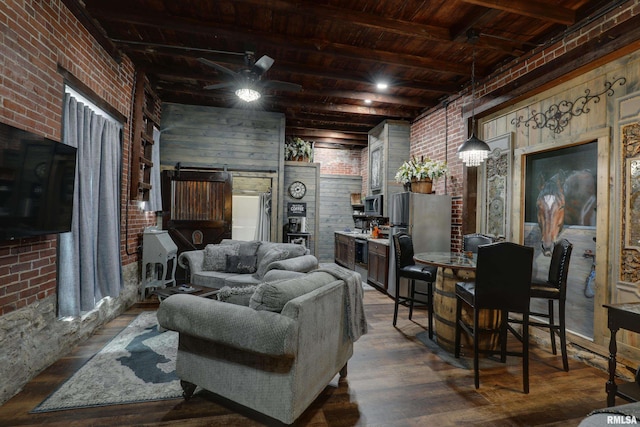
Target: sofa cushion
237 295
214 279
215 256
272 296
240 280
242 264
274 254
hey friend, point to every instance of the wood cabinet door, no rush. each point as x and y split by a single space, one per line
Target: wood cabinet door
196 207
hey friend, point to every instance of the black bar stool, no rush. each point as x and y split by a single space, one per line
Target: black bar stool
407 268
503 282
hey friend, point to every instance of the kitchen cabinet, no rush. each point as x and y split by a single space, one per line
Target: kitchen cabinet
388 149
345 250
378 266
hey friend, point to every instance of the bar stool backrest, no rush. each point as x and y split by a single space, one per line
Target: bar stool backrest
503 277
470 242
404 250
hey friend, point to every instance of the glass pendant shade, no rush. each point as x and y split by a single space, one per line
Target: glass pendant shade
247 94
473 152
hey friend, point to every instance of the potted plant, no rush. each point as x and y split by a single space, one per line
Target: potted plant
298 149
421 174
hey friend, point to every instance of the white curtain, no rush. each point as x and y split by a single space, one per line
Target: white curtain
155 195
89 264
263 226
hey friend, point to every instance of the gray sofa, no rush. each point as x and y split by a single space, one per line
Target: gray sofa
277 354
273 261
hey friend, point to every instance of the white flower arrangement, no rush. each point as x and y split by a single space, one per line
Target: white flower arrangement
415 169
298 149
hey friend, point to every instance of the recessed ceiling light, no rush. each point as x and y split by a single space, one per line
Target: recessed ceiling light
367 101
382 85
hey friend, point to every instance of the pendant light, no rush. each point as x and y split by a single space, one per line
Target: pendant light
473 151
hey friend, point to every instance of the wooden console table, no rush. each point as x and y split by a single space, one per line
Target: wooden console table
625 316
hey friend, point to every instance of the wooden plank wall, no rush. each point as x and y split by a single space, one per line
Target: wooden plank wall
308 174
247 142
217 137
335 210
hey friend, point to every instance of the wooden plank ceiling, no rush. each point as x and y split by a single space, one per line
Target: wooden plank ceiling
336 50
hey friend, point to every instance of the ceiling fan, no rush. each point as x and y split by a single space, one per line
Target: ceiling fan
248 82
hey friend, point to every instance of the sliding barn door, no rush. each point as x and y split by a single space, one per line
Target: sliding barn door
196 207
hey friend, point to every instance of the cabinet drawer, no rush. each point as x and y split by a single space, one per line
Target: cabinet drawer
378 248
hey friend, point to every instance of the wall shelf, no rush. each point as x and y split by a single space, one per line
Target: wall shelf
146 114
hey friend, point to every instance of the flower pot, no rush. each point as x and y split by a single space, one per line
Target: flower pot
422 186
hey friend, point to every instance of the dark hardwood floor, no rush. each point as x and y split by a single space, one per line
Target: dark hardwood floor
393 380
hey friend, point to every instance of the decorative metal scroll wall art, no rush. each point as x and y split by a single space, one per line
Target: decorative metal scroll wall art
497 171
558 116
630 259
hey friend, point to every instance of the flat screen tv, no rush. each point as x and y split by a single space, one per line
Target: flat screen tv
37 177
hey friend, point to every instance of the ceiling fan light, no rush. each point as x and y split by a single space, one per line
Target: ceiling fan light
247 94
473 152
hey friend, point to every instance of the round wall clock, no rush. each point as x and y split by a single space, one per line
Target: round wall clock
41 170
297 190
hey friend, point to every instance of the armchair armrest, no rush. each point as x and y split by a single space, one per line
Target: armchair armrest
301 264
236 326
191 260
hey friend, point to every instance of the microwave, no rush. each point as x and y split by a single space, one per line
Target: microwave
373 205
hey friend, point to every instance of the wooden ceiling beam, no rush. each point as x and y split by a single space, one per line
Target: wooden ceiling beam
356 17
273 101
532 9
192 26
324 133
283 67
349 127
338 145
345 108
362 96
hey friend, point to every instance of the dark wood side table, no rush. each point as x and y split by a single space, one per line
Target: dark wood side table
625 316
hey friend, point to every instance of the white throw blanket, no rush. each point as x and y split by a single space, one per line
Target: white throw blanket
353 304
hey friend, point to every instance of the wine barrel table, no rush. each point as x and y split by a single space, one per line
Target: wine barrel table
454 267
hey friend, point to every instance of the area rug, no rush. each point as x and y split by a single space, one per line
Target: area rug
138 365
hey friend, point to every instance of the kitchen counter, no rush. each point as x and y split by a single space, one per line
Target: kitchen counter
366 236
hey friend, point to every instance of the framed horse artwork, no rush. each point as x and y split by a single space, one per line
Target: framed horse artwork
560 202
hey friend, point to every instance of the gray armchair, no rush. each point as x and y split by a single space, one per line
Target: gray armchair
276 355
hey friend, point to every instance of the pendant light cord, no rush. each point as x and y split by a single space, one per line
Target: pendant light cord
473 92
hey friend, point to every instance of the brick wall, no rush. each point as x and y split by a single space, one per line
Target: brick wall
337 162
36 38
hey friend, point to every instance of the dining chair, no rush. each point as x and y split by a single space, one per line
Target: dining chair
554 289
503 282
407 268
470 242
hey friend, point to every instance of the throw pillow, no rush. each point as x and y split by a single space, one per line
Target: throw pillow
242 264
246 248
215 256
274 254
238 295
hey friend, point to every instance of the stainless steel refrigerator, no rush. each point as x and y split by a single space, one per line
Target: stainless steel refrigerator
427 218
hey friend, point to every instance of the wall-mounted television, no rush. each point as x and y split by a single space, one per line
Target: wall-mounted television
37 177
